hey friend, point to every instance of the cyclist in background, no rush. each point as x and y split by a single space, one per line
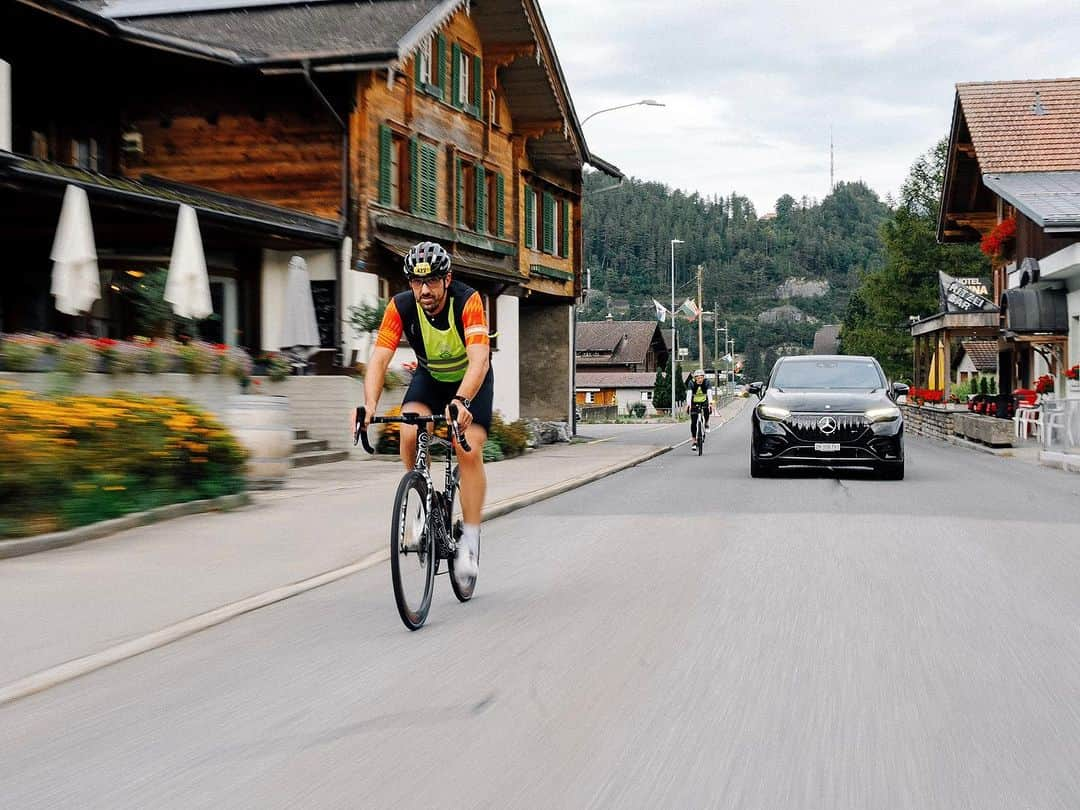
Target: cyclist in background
445 324
698 396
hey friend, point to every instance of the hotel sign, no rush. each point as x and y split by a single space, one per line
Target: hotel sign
964 294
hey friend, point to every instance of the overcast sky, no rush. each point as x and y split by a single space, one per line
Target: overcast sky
753 87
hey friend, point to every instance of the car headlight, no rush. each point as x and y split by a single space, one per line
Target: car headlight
770 428
773 413
887 414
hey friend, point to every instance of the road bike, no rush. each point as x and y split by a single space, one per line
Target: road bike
422 534
699 416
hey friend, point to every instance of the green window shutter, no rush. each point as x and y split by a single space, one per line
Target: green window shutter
416 70
530 217
414 176
459 195
566 209
429 180
440 72
500 205
549 223
455 74
478 86
386 146
481 199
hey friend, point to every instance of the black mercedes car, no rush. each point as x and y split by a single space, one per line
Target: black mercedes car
828 411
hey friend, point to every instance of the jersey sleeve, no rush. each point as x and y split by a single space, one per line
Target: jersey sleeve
390 329
475 321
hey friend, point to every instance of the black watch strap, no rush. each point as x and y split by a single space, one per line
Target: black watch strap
463 400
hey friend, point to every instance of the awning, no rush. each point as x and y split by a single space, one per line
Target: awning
1035 311
158 195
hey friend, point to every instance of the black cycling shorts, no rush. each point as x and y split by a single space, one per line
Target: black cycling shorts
437 395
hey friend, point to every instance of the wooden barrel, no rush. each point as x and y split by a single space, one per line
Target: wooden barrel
261 424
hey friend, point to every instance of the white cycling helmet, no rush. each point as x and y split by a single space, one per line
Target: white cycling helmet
699 372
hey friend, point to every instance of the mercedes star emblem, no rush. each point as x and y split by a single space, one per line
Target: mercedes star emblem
827 425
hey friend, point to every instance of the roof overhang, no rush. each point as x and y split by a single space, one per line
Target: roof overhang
972 324
156 194
1049 199
601 165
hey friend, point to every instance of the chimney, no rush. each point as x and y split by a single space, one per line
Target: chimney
5 106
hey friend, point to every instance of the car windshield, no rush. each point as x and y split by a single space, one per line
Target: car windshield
849 374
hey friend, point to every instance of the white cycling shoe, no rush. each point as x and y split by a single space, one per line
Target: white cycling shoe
466 560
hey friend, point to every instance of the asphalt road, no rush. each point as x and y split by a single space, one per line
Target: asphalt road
678 635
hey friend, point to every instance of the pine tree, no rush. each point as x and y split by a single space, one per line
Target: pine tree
661 395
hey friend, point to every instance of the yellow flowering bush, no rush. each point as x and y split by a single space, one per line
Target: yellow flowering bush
74 460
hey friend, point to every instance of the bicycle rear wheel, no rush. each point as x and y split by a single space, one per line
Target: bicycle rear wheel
412 553
700 434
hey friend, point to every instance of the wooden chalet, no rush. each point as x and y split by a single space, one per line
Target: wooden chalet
338 130
620 347
1013 182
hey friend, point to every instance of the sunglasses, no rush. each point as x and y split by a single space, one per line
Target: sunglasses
430 281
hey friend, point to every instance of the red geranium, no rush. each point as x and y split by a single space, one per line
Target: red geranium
994 241
1074 372
1044 385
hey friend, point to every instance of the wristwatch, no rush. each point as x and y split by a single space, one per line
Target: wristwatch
463 400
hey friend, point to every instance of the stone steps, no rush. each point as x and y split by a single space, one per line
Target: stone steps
307 452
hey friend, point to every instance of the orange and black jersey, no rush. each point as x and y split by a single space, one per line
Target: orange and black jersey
403 314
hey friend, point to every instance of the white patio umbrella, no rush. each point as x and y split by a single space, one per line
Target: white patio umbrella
299 329
187 286
76 284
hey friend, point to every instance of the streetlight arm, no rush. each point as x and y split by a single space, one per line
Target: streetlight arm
646 102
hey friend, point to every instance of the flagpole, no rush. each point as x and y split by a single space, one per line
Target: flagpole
673 335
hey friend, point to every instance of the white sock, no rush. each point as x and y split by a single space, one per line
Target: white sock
470 533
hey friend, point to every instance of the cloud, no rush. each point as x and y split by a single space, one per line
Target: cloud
753 89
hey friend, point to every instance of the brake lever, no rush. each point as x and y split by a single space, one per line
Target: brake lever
458 435
359 434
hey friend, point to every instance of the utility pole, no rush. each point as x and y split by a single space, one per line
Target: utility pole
700 317
716 341
832 164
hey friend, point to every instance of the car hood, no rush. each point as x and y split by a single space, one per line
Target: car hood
804 401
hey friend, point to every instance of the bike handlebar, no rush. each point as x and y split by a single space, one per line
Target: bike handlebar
410 418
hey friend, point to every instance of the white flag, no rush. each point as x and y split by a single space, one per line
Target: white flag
689 309
661 311
728 358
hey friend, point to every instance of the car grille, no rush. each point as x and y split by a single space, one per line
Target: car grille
806 426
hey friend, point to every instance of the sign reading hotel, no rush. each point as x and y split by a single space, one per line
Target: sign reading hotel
964 294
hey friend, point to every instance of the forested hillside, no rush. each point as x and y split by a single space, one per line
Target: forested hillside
747 258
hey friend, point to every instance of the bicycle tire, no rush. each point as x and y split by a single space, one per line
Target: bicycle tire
412 615
463 592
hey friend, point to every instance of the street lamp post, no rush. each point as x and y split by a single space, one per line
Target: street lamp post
674 242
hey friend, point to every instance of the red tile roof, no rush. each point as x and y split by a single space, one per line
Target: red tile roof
1009 136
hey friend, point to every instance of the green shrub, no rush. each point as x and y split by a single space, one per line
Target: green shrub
16 355
492 451
512 437
76 357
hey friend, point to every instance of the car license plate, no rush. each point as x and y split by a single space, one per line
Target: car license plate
821 447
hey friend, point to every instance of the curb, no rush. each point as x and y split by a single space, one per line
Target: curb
1070 462
95 531
70 670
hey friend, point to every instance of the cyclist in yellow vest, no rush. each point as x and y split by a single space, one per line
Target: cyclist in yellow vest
445 324
698 397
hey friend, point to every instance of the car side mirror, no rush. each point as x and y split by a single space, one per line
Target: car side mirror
899 390
757 388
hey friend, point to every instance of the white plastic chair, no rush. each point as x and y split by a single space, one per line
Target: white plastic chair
1026 421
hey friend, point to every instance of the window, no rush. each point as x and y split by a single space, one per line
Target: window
548 223
589 398
430 66
394 170
84 154
493 110
646 396
467 81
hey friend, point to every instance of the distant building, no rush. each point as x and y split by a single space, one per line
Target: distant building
620 346
827 339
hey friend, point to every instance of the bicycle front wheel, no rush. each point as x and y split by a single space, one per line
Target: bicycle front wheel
412 551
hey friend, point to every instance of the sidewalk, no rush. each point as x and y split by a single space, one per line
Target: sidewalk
61 605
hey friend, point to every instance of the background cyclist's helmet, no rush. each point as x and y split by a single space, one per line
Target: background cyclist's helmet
699 372
427 260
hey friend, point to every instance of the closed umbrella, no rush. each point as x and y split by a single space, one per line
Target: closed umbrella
187 286
76 284
300 330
